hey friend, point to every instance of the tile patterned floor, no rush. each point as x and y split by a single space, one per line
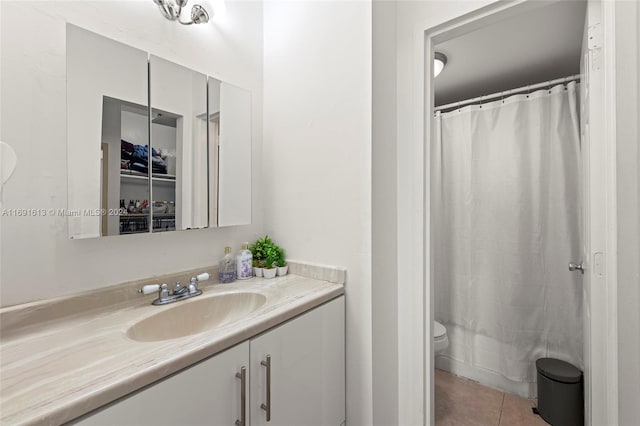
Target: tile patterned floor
463 402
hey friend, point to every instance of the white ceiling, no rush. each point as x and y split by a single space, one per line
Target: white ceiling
537 46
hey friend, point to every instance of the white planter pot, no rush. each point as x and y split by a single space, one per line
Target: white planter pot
257 272
282 270
269 273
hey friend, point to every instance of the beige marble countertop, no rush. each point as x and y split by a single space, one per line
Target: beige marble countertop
56 367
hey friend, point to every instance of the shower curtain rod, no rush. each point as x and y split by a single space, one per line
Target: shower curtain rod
481 99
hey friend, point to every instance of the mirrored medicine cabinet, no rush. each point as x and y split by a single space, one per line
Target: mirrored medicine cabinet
152 146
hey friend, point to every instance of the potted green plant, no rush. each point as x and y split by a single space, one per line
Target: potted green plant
257 268
281 262
258 251
268 258
270 269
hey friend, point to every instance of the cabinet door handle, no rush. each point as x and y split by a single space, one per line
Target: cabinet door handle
242 375
267 407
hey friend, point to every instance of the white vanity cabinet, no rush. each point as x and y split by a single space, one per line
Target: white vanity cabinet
307 381
207 393
306 358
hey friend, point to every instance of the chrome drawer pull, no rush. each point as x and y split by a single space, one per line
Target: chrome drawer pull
267 407
242 375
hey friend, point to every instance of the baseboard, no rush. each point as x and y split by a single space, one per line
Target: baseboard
486 377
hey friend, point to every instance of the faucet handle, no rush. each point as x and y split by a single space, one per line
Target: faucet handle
163 295
149 288
164 291
193 283
201 277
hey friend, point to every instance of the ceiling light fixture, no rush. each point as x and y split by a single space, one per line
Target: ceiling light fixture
172 9
439 61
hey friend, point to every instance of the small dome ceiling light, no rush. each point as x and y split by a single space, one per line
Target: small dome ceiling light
439 61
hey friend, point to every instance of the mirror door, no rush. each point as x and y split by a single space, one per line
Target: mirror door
179 147
234 150
106 94
213 99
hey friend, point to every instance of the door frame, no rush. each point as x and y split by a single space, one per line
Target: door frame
600 204
419 400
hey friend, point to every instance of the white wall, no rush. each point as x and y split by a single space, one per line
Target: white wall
317 157
384 285
38 261
628 180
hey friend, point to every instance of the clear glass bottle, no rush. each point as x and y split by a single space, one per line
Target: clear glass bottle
227 267
244 263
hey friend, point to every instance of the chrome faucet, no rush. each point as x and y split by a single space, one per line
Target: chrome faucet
179 292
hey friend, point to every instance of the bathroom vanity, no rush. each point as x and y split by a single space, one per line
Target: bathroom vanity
268 348
292 374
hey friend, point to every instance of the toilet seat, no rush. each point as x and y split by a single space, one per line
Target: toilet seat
438 330
440 339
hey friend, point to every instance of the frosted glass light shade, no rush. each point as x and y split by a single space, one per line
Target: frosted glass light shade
439 62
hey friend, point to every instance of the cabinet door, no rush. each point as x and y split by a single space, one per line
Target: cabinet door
207 393
307 370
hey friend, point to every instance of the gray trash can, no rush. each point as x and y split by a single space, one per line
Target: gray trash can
560 392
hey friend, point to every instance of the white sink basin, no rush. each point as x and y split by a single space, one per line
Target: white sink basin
195 316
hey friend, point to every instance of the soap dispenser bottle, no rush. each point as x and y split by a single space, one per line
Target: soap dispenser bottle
244 262
227 267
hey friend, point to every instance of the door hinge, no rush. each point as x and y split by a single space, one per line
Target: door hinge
594 37
598 264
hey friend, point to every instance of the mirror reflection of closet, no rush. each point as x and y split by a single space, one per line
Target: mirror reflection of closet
179 146
125 135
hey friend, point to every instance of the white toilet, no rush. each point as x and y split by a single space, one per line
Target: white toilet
440 339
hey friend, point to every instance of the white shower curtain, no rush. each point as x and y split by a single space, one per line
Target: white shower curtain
506 182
